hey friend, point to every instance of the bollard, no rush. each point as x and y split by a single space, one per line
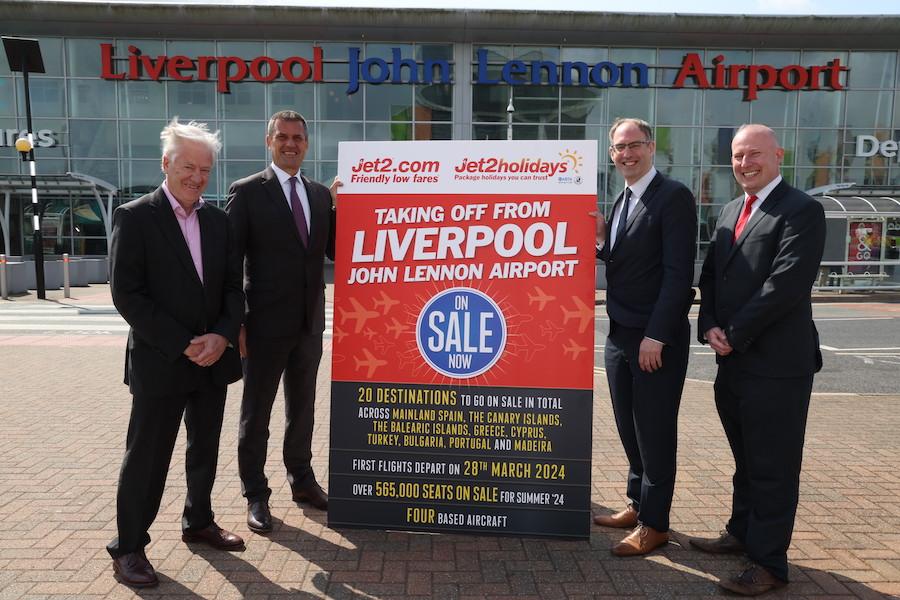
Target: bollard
4 289
66 293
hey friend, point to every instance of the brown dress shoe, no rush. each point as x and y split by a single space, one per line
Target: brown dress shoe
724 544
312 493
626 519
643 540
215 536
135 570
752 581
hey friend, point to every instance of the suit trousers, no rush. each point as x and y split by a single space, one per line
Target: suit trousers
152 431
765 421
645 406
297 360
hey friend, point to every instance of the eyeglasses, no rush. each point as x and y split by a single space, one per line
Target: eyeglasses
629 145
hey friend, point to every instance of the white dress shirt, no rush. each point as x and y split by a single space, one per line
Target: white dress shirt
283 179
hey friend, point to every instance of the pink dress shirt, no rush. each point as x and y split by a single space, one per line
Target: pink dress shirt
190 229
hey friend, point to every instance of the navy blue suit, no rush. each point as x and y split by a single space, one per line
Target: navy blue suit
757 289
649 274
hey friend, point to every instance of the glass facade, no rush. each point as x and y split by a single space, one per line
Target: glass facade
110 129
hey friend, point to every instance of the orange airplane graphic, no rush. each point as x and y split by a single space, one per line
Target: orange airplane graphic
582 312
550 330
396 327
339 335
386 303
360 314
369 362
540 297
574 348
369 333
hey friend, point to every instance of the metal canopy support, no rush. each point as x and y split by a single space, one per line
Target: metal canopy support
4 223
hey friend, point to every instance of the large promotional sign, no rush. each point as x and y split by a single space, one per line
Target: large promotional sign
463 337
864 245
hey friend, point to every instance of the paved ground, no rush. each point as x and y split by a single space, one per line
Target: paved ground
63 414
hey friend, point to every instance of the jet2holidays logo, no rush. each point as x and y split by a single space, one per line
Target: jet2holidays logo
491 168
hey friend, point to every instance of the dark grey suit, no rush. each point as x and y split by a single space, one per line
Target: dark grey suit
156 288
285 287
649 275
757 290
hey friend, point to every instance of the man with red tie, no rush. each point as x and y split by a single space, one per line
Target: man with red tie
756 313
284 227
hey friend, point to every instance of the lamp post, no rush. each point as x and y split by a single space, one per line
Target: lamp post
24 55
510 109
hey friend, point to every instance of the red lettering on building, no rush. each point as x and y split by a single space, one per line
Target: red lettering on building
752 78
228 69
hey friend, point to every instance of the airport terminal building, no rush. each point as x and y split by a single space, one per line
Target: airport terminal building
830 86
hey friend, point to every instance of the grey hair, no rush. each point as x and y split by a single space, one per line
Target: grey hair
175 133
286 115
641 124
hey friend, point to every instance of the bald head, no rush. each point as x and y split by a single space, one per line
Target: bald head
755 157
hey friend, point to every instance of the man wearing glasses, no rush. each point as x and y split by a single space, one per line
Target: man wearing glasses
648 246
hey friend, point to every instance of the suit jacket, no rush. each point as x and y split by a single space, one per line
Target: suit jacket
284 281
758 288
156 289
650 272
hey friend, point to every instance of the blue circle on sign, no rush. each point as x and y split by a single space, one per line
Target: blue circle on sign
461 333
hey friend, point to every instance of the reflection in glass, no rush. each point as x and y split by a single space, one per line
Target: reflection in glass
329 134
434 52
433 102
867 176
94 139
775 108
489 102
590 56
107 170
582 105
194 100
536 104
140 177
633 55
7 97
677 145
244 101
868 110
872 69
725 107
388 102
776 58
47 97
140 139
334 103
488 132
820 147
389 132
717 145
807 179
821 109
142 99
433 131
83 56
678 107
628 102
243 140
543 53
92 98
292 96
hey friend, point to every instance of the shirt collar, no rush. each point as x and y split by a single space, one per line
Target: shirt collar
176 206
762 194
640 186
283 175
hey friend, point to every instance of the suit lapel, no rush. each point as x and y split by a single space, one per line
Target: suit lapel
639 208
762 213
276 195
168 224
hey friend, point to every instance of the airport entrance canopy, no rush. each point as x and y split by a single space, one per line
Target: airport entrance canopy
862 244
70 186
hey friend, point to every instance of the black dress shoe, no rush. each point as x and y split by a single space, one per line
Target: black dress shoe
752 581
135 570
724 544
259 519
312 493
215 536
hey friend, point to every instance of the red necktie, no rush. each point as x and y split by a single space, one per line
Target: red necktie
745 216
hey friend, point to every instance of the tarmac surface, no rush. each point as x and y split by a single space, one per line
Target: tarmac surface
63 419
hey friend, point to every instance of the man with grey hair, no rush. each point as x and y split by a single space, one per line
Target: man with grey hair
756 313
175 278
284 227
648 247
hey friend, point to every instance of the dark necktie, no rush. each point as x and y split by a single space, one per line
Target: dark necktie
623 217
299 216
745 216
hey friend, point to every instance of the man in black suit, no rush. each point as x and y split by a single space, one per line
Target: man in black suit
648 247
756 313
284 226
175 278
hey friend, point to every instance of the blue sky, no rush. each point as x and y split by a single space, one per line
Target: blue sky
771 7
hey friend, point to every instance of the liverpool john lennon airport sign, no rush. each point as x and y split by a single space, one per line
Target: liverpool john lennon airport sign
397 69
